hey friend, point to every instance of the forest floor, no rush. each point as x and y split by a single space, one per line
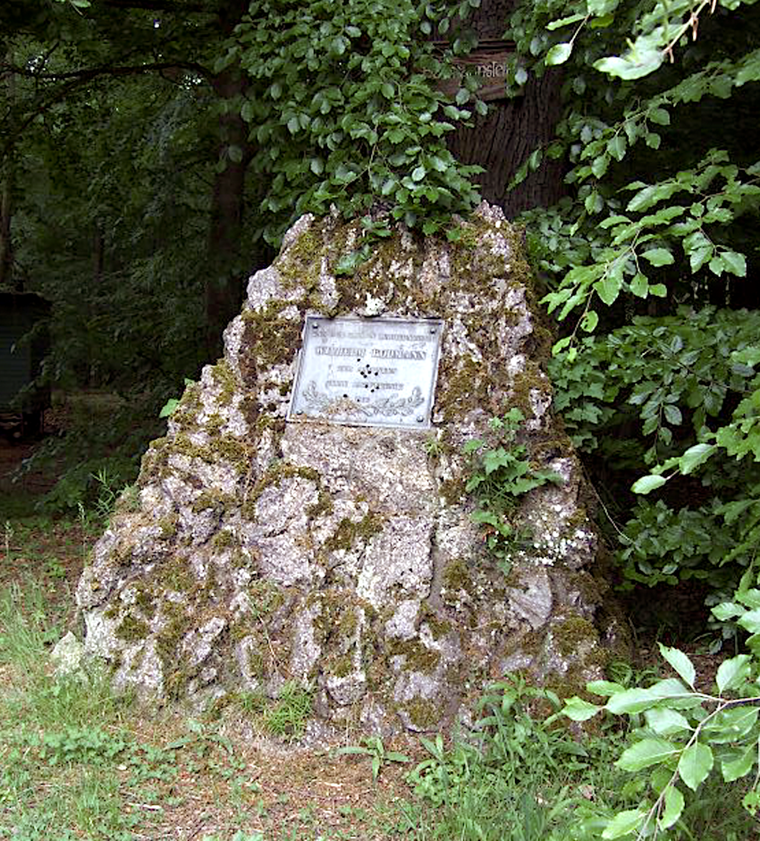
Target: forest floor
79 763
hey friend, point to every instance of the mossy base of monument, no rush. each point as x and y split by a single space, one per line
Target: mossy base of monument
344 558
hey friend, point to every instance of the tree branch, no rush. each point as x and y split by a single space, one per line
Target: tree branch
160 6
79 78
107 70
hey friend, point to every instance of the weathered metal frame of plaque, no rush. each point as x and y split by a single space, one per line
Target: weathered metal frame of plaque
367 372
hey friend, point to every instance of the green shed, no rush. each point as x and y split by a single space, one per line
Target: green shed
20 361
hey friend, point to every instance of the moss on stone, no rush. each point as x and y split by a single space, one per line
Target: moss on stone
225 380
323 505
438 627
265 597
570 634
417 657
340 666
423 714
168 525
212 499
223 539
176 575
145 599
224 448
452 490
131 629
457 576
350 532
269 338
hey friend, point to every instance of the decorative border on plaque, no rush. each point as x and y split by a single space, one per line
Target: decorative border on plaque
387 407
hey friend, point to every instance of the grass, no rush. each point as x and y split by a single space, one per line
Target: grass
77 762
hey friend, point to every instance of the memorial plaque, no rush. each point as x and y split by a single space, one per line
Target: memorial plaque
367 372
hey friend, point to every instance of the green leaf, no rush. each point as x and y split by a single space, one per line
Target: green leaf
577 709
731 725
652 195
665 722
558 54
604 687
168 408
695 764
317 166
624 823
617 146
695 456
732 673
387 90
750 621
659 257
647 752
630 701
639 286
734 262
634 65
649 483
608 287
680 662
725 611
557 24
599 166
672 414
590 320
418 173
735 768
674 803
659 116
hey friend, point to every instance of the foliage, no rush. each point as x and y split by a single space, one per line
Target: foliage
500 473
98 455
679 377
687 734
343 113
646 264
526 778
374 748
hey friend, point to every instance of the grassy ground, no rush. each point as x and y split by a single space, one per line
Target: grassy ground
77 762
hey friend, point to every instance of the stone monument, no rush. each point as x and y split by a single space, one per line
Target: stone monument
305 519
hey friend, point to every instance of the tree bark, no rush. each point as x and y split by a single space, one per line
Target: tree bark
6 202
226 265
501 141
224 268
6 243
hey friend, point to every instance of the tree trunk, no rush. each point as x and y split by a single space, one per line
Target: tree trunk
6 243
6 203
501 141
225 265
225 269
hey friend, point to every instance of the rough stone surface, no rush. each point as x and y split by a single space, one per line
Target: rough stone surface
67 656
345 558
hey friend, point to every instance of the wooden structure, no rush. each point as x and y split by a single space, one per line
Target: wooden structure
23 344
489 63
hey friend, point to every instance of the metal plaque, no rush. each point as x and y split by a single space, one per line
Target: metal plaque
367 372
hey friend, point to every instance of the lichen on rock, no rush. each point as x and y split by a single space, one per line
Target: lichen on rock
265 551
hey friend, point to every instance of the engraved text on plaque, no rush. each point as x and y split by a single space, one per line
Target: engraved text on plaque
367 372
